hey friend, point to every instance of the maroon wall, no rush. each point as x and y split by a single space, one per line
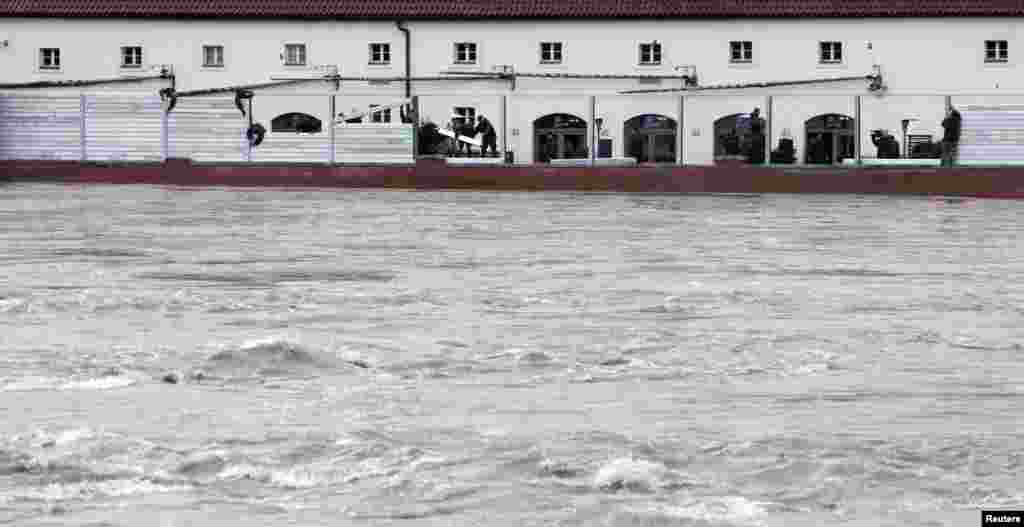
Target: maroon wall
434 174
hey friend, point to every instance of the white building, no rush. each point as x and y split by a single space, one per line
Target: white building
926 51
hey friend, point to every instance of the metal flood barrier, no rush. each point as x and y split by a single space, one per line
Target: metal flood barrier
207 130
135 128
122 129
41 127
992 133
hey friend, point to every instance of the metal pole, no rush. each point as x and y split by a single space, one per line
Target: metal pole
415 118
164 139
859 127
245 137
681 133
769 110
83 103
504 126
333 125
591 117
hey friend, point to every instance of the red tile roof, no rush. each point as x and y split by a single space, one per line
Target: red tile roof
435 9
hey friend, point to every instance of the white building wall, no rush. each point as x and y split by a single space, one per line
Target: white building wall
922 60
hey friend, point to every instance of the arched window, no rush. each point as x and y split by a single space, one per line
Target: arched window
651 138
830 139
740 136
559 136
296 122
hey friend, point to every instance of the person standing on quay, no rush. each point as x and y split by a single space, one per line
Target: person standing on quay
950 136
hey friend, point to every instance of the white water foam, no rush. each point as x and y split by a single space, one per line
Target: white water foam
94 489
37 383
725 509
630 474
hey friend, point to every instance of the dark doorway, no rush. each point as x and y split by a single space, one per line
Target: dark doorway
739 137
651 138
830 139
296 122
559 136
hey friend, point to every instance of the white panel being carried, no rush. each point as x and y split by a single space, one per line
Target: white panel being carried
374 143
36 127
207 129
124 127
992 134
290 147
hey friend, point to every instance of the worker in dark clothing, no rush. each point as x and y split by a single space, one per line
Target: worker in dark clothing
466 129
756 154
485 127
886 144
950 136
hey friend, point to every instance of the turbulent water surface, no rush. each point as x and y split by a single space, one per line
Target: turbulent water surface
246 358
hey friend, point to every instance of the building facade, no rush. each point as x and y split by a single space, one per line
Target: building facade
926 62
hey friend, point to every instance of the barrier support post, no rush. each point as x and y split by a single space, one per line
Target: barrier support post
681 132
165 143
857 147
415 117
591 124
83 103
769 111
331 132
504 126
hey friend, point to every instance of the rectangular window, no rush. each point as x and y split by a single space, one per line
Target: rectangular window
213 56
49 58
294 54
380 53
830 52
131 56
465 53
650 54
997 51
383 116
467 115
741 51
551 52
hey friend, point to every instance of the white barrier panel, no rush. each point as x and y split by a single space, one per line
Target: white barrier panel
374 143
40 127
992 134
207 129
289 147
123 128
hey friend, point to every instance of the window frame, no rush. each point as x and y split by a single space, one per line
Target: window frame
41 60
125 55
223 61
475 52
555 48
746 51
385 51
298 46
467 112
1002 53
833 45
382 117
655 48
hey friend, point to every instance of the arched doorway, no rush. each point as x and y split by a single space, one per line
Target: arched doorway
740 137
830 139
651 138
559 136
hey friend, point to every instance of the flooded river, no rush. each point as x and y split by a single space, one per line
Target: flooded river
271 357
